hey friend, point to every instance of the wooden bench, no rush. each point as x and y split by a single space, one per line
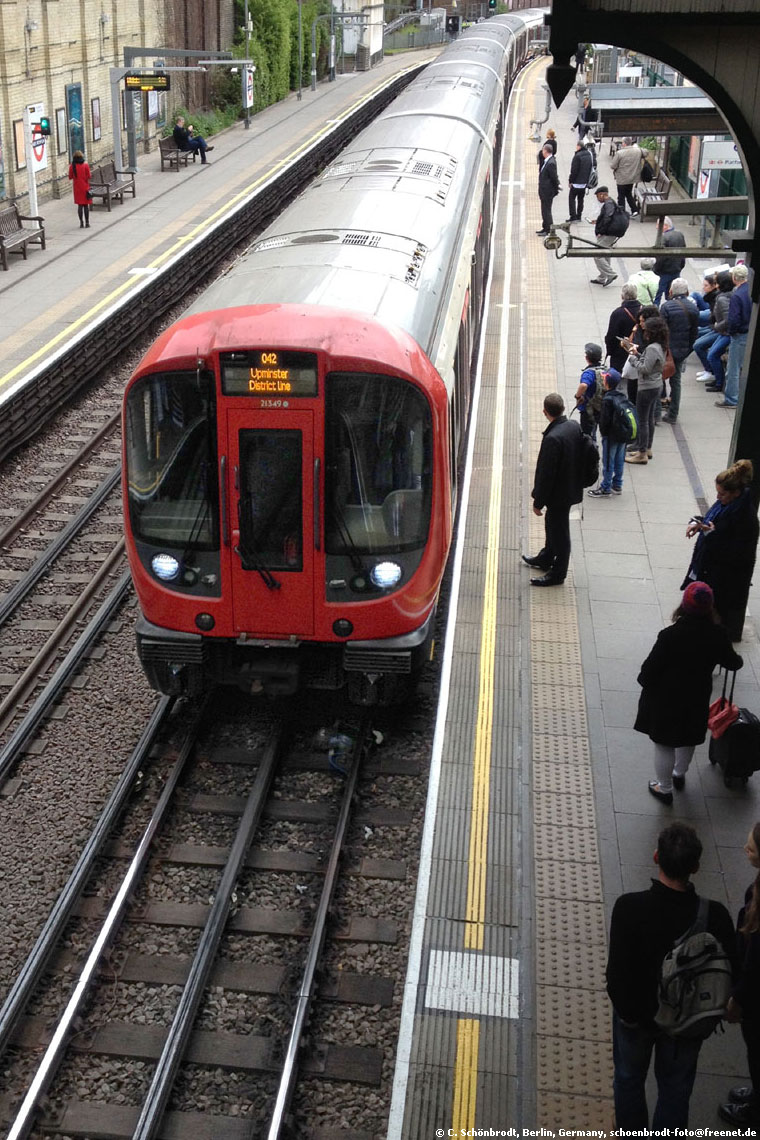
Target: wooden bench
657 191
173 157
109 183
14 236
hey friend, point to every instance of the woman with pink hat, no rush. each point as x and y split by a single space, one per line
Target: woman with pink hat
676 686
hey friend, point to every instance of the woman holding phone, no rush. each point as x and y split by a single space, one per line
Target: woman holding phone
724 554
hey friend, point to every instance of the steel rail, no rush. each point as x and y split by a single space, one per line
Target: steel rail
73 659
24 1121
33 969
308 981
25 585
177 1041
56 482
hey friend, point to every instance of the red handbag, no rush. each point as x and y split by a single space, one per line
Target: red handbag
669 366
723 712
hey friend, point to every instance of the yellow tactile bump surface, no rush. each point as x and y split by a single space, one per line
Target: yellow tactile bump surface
569 811
565 1070
561 722
573 844
565 921
570 964
565 779
554 749
581 881
558 676
580 1112
565 1012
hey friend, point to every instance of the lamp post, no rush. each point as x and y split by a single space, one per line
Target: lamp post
248 109
300 49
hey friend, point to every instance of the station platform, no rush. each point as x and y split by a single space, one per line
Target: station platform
50 296
538 813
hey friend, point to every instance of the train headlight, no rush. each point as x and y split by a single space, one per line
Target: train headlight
165 567
342 627
204 622
385 574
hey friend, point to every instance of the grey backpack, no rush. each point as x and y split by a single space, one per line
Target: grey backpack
695 983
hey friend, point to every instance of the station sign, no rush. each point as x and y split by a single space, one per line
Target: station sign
38 122
150 81
720 156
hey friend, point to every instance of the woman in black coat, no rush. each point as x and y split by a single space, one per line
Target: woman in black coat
623 323
676 682
724 555
743 1108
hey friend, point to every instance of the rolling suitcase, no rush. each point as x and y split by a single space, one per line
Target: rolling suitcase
737 749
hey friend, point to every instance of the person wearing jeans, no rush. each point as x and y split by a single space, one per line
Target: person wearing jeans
648 364
613 438
644 927
739 312
711 356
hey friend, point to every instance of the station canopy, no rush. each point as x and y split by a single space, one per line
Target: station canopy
639 111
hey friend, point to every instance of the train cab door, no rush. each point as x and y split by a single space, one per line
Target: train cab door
271 497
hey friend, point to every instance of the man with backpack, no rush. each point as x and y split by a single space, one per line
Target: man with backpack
611 223
645 928
588 395
618 427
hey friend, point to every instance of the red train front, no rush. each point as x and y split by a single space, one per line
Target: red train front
288 502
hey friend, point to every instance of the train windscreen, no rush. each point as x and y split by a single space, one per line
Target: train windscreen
378 465
171 461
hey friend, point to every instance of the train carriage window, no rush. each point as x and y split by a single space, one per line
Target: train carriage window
171 460
271 523
379 465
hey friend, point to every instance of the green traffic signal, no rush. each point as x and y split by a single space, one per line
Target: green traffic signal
44 125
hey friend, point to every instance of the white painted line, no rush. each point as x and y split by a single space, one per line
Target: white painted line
142 270
472 983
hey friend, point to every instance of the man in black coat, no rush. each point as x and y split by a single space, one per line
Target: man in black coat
558 484
644 927
580 172
682 318
548 188
669 265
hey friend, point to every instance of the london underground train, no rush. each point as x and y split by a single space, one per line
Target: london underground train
291 443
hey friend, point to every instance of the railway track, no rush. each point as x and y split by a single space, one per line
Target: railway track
260 915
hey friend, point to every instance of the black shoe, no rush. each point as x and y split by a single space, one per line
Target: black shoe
609 280
542 233
679 783
741 1094
663 797
712 388
737 1114
209 148
548 580
669 420
536 563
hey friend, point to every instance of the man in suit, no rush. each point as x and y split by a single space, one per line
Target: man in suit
548 188
558 484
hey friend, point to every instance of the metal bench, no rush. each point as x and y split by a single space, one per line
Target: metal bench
14 236
109 183
657 191
171 156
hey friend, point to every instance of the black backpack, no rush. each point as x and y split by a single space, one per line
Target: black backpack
618 222
589 461
647 171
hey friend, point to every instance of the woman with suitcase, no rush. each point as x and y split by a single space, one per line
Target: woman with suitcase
742 1109
676 686
724 555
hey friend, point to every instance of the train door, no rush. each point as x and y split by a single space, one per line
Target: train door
271 487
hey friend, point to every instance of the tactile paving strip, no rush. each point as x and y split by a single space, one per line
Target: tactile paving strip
579 881
569 964
565 844
562 1069
565 779
554 1111
583 1015
571 811
549 749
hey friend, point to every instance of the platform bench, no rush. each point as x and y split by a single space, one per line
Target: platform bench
657 191
109 183
15 236
173 157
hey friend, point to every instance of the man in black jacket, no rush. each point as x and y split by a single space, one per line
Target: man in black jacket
558 484
580 172
644 927
548 188
184 139
669 265
603 235
682 318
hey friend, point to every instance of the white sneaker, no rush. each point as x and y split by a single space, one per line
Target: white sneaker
706 378
700 376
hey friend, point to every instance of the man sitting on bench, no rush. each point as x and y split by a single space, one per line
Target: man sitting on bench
185 139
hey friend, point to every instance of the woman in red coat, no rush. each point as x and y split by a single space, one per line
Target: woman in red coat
79 173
